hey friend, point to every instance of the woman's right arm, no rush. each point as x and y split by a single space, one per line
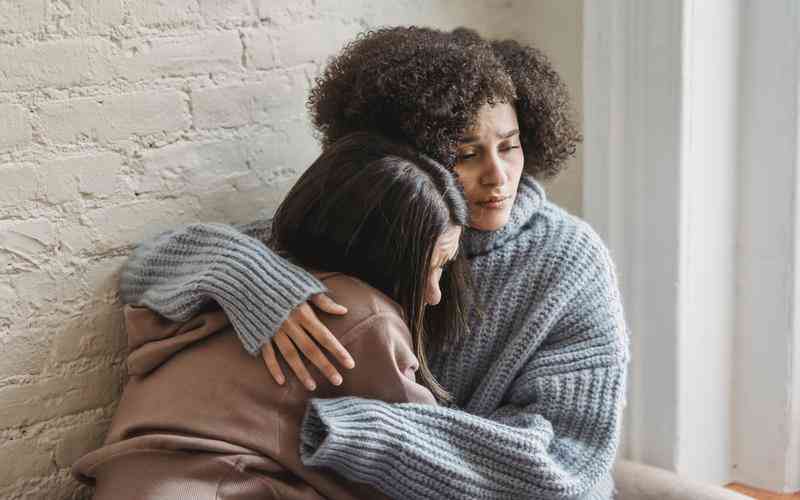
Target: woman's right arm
180 271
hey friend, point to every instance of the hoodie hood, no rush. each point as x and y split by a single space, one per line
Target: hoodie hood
153 339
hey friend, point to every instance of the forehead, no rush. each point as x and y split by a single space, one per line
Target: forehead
497 119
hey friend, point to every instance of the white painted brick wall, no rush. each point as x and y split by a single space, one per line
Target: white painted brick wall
15 126
121 118
22 16
107 118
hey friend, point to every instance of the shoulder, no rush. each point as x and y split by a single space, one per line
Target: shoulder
365 304
587 278
261 228
357 295
571 243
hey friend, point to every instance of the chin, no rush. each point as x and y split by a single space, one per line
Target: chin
491 220
492 224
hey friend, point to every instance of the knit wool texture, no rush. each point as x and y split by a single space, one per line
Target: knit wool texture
539 383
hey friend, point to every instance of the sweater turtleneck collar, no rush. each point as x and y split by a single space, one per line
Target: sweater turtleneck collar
530 198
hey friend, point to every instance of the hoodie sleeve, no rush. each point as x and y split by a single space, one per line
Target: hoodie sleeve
180 271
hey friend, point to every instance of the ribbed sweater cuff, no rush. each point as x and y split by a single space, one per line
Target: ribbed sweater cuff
332 432
258 291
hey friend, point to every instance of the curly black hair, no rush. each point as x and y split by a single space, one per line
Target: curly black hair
425 87
548 132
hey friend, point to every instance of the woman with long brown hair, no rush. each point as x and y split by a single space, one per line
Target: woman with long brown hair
379 225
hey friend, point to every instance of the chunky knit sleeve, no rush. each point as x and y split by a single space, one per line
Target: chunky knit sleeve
553 436
180 271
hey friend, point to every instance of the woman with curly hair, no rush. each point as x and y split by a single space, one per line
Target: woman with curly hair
535 389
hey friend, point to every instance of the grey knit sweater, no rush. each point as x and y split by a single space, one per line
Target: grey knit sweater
539 383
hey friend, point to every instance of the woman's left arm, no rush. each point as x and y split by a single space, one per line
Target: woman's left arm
554 437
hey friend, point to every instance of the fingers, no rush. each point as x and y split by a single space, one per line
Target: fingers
298 335
292 357
327 340
268 353
312 351
326 304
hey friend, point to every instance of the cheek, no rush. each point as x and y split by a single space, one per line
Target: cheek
468 181
519 164
432 294
515 169
517 177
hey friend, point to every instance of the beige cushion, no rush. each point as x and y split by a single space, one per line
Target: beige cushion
641 482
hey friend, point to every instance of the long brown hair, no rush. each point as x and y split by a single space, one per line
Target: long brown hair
374 209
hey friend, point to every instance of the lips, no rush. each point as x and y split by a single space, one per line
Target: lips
494 201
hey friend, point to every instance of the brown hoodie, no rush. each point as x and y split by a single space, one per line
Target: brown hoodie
202 419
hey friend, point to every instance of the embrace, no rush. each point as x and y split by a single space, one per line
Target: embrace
417 321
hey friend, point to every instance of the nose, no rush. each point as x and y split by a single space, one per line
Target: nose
494 171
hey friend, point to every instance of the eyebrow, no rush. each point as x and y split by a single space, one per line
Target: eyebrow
472 138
